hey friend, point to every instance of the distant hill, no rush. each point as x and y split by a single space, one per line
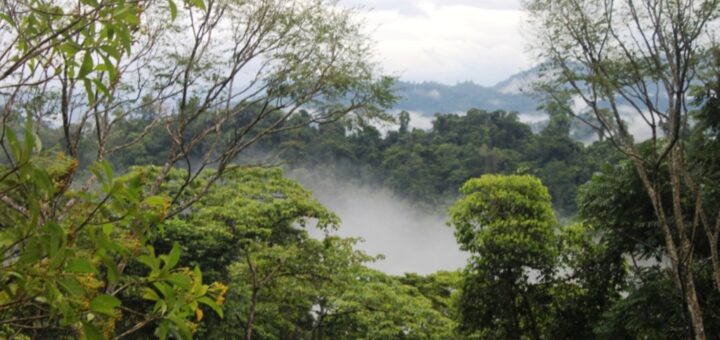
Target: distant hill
424 100
428 98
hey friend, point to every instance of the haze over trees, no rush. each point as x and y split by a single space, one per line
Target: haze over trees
140 194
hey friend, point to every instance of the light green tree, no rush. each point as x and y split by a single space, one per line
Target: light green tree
251 232
507 224
76 260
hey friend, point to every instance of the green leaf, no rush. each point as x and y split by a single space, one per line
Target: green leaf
105 304
111 51
199 4
57 237
7 18
174 256
173 9
182 326
105 242
59 258
124 36
70 48
87 66
81 266
100 86
13 141
89 91
150 294
162 331
29 136
108 169
214 306
112 271
71 286
180 280
167 292
127 14
149 261
91 332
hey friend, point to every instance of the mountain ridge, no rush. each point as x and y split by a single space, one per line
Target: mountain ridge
430 97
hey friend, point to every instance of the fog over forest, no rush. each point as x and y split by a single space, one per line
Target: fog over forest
412 240
311 169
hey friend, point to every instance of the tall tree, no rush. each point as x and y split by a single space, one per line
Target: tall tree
635 61
213 77
507 224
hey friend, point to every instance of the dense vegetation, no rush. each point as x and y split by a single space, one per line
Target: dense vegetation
130 206
428 166
424 166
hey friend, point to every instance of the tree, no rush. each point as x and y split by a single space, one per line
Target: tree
214 77
590 279
507 224
65 251
624 223
636 60
251 232
404 122
75 256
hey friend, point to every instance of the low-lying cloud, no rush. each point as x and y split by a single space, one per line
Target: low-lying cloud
411 239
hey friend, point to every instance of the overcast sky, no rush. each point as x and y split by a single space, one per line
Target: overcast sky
448 41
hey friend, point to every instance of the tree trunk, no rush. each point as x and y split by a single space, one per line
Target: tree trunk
713 239
685 266
712 228
251 315
531 317
682 278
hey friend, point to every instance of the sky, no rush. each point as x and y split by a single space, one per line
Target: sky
447 41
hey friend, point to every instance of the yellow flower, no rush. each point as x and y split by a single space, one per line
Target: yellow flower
219 290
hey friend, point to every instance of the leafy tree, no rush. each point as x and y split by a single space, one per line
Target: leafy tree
378 306
441 288
65 250
626 225
637 60
590 279
251 232
507 224
76 257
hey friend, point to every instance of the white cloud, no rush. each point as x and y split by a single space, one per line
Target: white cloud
434 94
447 41
412 240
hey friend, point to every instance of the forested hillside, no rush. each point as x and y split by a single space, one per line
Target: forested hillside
145 149
513 94
426 167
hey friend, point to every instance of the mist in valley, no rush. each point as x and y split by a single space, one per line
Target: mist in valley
411 239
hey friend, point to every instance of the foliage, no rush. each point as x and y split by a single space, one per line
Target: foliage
625 225
507 220
250 231
97 78
590 280
64 252
427 167
507 225
637 61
